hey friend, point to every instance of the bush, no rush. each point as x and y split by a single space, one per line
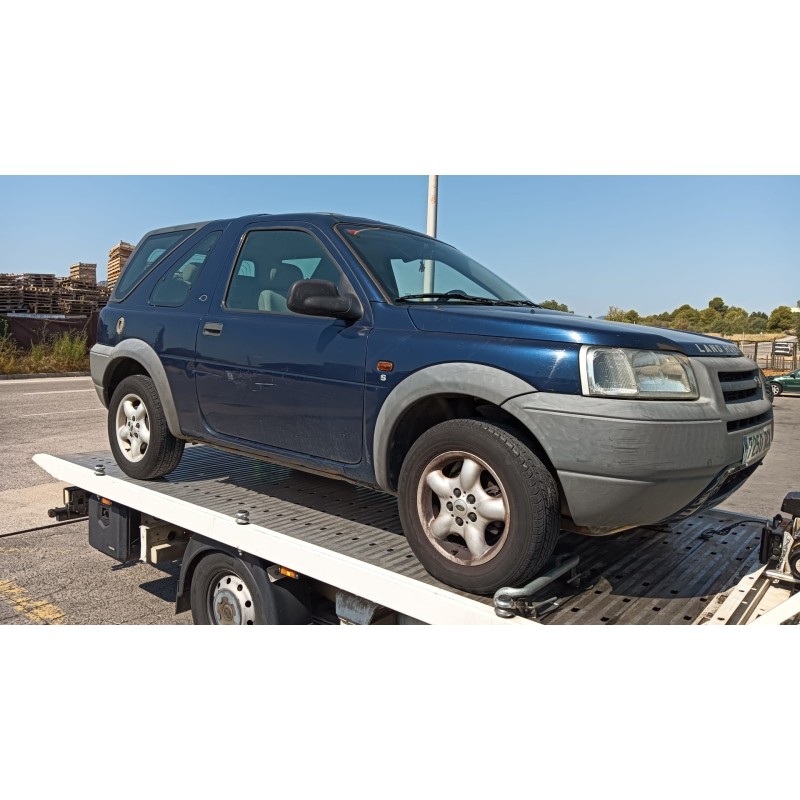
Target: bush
65 352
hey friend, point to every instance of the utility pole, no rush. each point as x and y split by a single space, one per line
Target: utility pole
433 204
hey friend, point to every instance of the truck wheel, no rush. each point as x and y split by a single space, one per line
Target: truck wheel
223 593
478 508
794 561
140 440
776 389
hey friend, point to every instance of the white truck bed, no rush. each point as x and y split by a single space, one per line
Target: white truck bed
350 537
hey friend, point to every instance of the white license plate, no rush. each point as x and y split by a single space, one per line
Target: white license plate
756 444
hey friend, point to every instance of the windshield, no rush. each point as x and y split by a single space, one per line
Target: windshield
407 265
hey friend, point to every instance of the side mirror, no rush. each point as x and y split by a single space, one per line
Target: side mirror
322 299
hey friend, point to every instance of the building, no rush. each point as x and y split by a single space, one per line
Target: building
117 257
85 273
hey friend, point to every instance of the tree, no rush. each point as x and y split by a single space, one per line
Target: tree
709 319
734 321
555 306
782 319
620 315
757 322
718 304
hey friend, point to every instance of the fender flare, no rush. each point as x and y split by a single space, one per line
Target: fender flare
475 380
104 358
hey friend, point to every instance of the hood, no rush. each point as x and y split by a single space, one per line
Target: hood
542 324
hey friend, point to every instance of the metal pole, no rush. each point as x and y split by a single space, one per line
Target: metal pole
433 203
433 199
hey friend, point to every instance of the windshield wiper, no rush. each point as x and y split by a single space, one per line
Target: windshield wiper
467 298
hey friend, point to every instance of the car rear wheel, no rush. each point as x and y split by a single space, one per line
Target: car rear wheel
478 507
138 434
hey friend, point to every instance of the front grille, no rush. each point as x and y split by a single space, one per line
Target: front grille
748 422
740 386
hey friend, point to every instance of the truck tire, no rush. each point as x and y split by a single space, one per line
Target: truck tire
138 434
223 592
479 509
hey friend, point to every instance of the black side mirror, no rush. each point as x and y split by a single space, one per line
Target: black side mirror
322 299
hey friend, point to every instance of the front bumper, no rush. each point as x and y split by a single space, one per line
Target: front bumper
624 463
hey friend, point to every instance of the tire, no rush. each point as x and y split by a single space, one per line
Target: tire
794 561
138 434
505 498
223 592
776 389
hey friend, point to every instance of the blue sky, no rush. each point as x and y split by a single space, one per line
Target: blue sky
650 243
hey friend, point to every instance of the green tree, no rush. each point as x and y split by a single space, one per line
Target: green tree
782 319
757 322
734 321
686 318
718 304
616 314
710 320
555 306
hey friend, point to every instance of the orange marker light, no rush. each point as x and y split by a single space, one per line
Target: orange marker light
288 573
385 366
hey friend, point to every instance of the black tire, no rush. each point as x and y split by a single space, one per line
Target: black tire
497 466
135 457
776 389
794 561
224 592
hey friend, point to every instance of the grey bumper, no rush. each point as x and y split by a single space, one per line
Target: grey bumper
99 359
626 463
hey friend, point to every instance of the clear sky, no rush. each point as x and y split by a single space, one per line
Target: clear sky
649 243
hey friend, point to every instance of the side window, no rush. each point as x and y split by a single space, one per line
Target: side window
269 262
174 287
147 255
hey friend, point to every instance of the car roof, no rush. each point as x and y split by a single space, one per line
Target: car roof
303 216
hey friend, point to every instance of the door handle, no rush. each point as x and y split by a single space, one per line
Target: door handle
212 329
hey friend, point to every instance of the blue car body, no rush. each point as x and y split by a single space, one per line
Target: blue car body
348 397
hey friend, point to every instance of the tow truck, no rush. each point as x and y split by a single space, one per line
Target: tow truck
263 544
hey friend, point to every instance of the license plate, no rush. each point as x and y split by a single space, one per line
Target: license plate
756 445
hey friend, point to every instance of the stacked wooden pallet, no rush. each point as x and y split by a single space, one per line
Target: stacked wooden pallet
117 257
46 294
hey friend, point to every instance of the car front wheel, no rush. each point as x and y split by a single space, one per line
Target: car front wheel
478 507
776 389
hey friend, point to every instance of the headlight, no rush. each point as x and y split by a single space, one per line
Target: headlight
637 374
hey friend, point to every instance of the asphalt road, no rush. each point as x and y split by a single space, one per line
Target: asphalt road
52 576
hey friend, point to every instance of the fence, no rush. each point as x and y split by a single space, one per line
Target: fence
26 331
773 356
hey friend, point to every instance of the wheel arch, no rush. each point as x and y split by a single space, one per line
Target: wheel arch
282 606
439 393
135 357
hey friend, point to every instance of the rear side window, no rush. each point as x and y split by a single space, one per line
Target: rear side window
147 255
173 289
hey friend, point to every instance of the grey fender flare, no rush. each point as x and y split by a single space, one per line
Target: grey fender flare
103 359
475 380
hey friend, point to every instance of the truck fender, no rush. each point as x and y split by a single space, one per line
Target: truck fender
104 358
285 602
475 380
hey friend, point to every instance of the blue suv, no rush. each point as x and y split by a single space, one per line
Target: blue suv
363 351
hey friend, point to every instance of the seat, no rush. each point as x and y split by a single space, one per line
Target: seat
279 280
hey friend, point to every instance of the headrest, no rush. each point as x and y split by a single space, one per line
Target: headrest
282 276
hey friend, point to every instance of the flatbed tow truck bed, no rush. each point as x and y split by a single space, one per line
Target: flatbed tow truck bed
702 570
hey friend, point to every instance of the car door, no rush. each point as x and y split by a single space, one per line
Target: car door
270 377
792 381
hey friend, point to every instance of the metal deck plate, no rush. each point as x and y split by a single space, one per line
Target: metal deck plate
659 575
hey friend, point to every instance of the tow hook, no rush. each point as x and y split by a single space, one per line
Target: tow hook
510 602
